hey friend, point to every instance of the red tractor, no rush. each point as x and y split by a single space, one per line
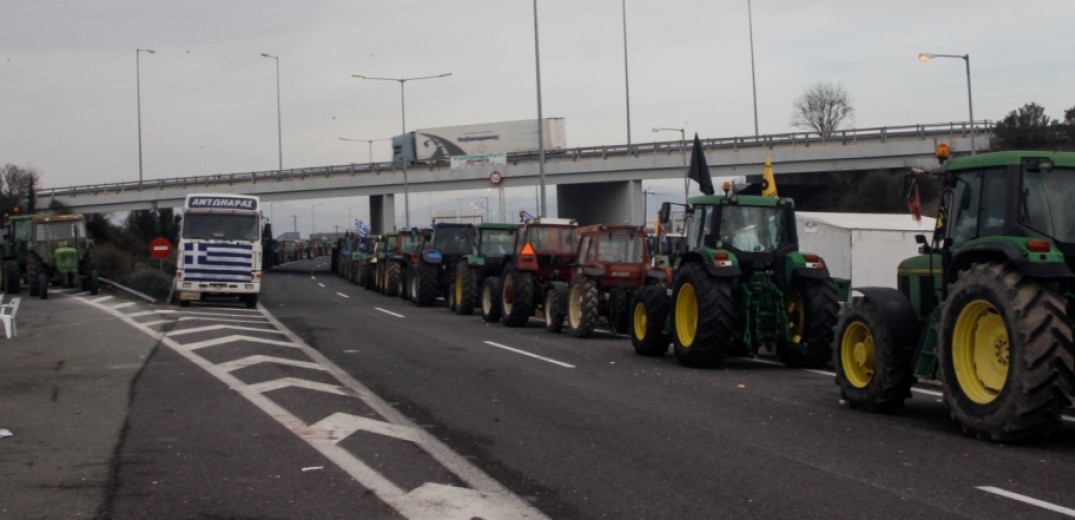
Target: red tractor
543 253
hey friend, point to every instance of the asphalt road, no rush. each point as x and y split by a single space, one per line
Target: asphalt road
584 428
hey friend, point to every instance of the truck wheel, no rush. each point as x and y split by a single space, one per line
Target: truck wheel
517 297
251 301
650 306
703 317
619 310
11 277
491 310
1005 353
812 310
555 300
392 279
872 371
31 276
425 285
466 289
582 307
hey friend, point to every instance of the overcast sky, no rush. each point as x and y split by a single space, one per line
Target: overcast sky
68 73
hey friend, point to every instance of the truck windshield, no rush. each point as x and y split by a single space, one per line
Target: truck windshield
620 249
749 228
496 242
552 240
453 240
1046 203
221 227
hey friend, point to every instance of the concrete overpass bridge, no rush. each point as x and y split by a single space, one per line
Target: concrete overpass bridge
612 175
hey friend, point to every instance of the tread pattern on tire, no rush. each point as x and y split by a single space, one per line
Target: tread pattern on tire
655 302
822 312
490 303
583 307
467 289
517 311
715 330
893 376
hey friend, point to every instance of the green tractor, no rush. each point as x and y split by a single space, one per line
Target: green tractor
495 241
987 306
449 244
60 253
741 286
17 231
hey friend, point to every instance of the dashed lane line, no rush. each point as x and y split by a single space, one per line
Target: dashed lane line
388 312
525 353
1028 500
342 294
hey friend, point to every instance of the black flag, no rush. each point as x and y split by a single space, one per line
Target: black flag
699 169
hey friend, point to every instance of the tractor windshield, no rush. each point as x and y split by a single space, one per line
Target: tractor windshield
552 240
497 242
411 242
52 231
620 249
749 228
453 240
221 227
1046 203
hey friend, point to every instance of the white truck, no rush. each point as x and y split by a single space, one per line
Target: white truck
219 248
439 144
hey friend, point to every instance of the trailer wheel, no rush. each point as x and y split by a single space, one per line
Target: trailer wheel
491 310
1005 353
619 310
466 289
872 371
650 307
517 297
703 317
812 310
425 285
583 307
555 300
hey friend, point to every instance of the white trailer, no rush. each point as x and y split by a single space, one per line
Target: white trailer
439 144
865 248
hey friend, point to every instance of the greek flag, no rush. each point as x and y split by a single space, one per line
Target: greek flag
362 229
216 262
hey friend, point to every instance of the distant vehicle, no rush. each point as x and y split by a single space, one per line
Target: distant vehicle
439 144
60 253
219 248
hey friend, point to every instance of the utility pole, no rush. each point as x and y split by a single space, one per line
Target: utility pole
295 223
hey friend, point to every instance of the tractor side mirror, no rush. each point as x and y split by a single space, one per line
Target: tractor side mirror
665 213
923 244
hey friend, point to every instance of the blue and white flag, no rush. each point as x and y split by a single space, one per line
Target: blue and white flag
362 228
216 262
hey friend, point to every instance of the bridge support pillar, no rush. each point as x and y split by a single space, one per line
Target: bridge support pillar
382 213
601 202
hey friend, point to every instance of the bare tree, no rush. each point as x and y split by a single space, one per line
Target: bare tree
822 108
19 188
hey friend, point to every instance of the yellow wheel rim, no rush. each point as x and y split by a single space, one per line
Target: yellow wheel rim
796 312
686 315
858 354
458 287
641 321
980 351
574 306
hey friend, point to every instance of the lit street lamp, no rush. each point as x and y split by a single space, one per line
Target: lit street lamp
279 128
138 88
403 107
926 56
683 149
369 142
313 221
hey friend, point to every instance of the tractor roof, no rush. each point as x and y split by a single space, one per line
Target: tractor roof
741 200
620 229
491 225
58 219
1008 158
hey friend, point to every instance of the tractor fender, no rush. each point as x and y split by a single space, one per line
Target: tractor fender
902 323
1005 252
591 271
711 268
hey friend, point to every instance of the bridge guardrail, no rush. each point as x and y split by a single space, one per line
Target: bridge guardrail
848 136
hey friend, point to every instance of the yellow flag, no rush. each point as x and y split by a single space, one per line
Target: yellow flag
768 185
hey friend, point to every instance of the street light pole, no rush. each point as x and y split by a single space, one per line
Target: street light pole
403 112
279 127
541 119
368 142
753 81
626 76
138 88
683 149
926 56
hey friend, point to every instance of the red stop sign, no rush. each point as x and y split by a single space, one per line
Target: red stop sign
160 248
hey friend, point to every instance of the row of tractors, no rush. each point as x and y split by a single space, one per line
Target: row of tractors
44 249
986 307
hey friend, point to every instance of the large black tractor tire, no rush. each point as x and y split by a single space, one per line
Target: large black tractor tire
874 369
452 305
368 272
378 278
1006 353
466 289
703 317
31 276
649 312
43 284
425 285
517 297
812 311
11 277
491 290
619 309
392 277
583 306
555 303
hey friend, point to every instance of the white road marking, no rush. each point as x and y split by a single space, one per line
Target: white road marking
1029 500
123 305
525 353
249 361
209 328
389 312
222 320
150 313
321 284
230 339
342 294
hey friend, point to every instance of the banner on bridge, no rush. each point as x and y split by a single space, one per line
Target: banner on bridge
481 160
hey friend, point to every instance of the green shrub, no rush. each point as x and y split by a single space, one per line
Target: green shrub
150 282
113 263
